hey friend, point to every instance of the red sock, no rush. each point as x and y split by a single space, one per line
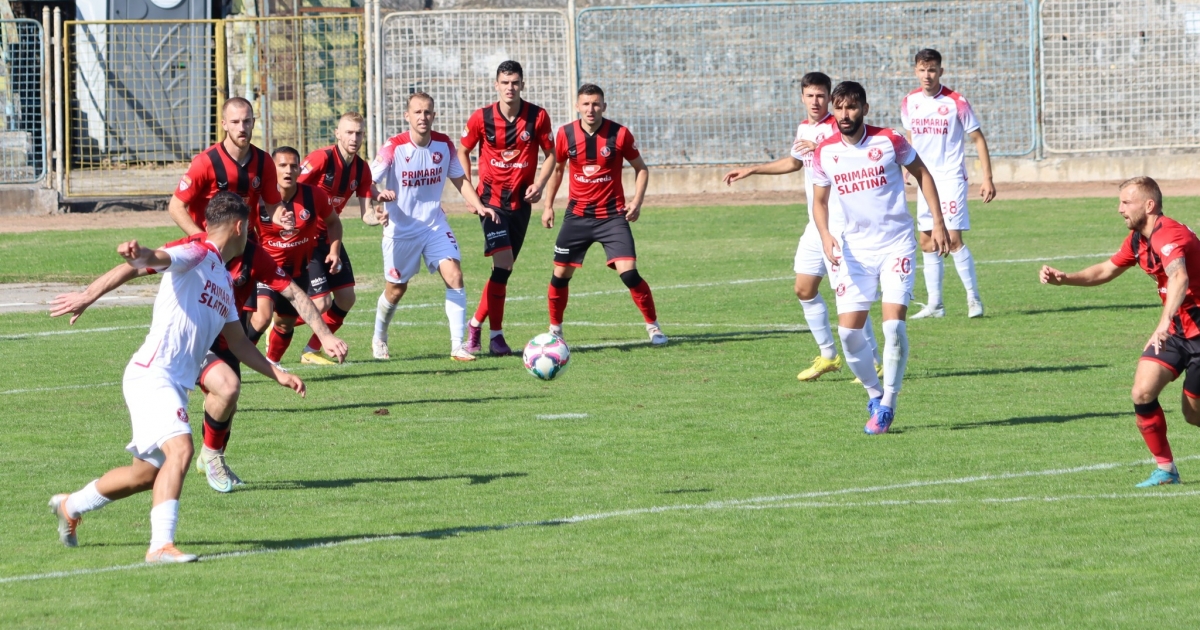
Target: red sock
216 434
558 303
481 312
333 318
1153 423
279 344
645 301
496 293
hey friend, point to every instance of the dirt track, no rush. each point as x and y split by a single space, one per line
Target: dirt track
99 220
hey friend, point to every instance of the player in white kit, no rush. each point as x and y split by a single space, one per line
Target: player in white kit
411 170
194 304
938 121
864 166
810 264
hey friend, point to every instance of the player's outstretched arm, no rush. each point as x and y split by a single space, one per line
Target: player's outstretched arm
248 353
821 219
143 257
941 238
334 346
178 211
1177 288
474 203
641 181
782 166
556 178
987 189
1097 274
78 302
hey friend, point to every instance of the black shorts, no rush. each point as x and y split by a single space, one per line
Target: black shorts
282 305
218 353
320 281
578 233
1180 356
509 233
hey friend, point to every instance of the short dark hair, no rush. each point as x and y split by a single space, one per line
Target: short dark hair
590 89
928 55
849 91
510 67
226 207
819 79
1147 186
285 149
239 102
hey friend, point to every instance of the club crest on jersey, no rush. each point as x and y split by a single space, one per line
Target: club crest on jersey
280 272
605 151
841 289
304 214
943 110
185 182
820 138
874 155
181 413
393 273
437 157
590 169
336 201
525 136
256 182
353 185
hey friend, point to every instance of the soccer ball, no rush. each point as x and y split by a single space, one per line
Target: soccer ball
546 356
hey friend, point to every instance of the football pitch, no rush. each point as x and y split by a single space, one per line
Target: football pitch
695 485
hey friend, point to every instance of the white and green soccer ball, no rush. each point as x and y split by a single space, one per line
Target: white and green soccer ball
546 356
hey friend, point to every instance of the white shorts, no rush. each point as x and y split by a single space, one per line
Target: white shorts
810 255
887 275
158 411
402 256
953 195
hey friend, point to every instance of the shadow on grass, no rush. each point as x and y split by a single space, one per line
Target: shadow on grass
341 377
1032 369
289 544
687 491
1016 422
390 403
309 484
1078 309
724 337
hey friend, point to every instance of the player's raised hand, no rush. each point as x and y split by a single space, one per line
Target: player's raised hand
987 190
1050 275
291 381
548 217
74 303
737 174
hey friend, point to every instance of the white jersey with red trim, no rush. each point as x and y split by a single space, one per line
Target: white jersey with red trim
867 178
817 133
417 174
939 125
194 302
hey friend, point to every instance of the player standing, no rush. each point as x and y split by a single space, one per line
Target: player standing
597 213
865 164
412 168
194 304
234 165
340 173
508 133
1170 253
938 121
810 263
291 238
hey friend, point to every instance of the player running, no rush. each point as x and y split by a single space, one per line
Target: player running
291 237
597 213
810 263
340 173
937 119
412 169
865 165
508 133
1170 253
220 375
195 303
233 165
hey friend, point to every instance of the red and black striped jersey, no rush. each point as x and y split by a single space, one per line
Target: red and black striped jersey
509 151
1169 241
325 169
214 171
292 249
596 161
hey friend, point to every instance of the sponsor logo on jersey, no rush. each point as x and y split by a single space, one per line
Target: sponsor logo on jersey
874 155
943 110
305 214
466 131
835 159
181 413
287 234
185 182
509 155
590 169
305 168
336 201
525 136
437 157
635 147
605 151
561 250
1168 248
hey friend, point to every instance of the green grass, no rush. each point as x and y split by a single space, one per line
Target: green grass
469 480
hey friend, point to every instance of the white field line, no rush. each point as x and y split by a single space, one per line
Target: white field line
562 416
713 505
55 389
71 331
1149 494
666 325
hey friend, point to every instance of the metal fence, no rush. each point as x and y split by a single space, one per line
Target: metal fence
453 56
719 84
23 136
1120 75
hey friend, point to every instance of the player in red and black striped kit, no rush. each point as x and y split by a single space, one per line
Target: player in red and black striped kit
509 133
340 173
1170 253
597 149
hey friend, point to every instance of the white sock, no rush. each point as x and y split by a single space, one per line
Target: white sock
308 349
858 359
965 265
496 333
933 278
384 311
86 500
869 331
163 518
456 312
817 316
1169 467
895 359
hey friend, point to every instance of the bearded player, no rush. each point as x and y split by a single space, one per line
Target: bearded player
596 149
195 303
865 166
1170 253
412 169
810 264
340 173
508 133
